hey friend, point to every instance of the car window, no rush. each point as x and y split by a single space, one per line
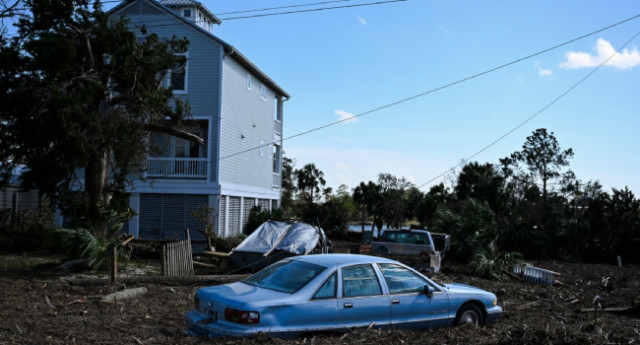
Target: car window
407 237
401 280
389 237
285 276
421 238
360 280
328 289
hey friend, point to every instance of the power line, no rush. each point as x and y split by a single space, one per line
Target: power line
313 10
172 22
523 122
404 100
547 106
281 7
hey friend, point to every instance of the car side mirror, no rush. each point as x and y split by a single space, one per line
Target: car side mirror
428 290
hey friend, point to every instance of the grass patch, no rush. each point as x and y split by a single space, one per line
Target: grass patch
26 263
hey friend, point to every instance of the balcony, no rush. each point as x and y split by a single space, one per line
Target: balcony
194 168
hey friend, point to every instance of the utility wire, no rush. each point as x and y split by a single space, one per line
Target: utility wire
389 105
172 22
555 100
547 106
313 10
281 7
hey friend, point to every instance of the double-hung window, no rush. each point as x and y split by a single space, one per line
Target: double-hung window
178 75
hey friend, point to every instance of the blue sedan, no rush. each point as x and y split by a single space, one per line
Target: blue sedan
335 293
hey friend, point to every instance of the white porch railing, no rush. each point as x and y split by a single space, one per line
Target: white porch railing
534 274
177 167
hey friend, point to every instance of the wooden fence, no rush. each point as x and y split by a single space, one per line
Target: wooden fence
177 259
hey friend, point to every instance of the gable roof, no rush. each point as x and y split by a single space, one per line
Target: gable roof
229 50
192 3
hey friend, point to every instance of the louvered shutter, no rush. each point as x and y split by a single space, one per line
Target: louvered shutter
248 205
234 216
150 216
222 215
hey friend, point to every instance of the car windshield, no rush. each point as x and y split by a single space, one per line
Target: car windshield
285 276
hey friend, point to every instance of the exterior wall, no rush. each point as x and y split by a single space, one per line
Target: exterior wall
204 66
247 123
239 120
18 200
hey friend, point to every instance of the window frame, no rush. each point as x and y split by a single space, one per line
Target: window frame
263 92
414 274
335 288
376 278
172 141
277 159
170 73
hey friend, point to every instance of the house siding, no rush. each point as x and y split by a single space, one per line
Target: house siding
204 61
247 121
238 120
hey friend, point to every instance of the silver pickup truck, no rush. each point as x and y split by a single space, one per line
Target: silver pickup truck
413 242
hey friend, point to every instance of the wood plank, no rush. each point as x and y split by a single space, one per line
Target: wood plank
219 254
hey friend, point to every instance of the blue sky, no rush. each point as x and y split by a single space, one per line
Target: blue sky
348 61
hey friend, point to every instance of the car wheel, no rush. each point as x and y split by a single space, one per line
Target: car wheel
469 314
382 250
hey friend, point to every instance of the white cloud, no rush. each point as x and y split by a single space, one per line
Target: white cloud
362 21
541 71
544 72
624 60
345 116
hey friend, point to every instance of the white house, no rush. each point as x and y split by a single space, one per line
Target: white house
236 108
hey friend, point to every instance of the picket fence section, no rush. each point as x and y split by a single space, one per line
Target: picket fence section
177 259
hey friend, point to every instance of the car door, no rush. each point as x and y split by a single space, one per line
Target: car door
362 301
411 306
320 313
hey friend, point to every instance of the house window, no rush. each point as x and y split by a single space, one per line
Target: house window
277 156
249 82
167 146
186 13
178 74
277 114
263 92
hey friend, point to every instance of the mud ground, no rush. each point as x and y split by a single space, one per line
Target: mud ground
40 306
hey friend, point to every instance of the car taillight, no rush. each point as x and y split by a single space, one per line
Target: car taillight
196 303
241 316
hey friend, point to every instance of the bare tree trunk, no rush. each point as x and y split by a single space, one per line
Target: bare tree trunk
96 187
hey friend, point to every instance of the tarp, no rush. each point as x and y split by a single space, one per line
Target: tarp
295 238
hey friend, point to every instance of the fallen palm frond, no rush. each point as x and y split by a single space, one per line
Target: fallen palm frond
491 263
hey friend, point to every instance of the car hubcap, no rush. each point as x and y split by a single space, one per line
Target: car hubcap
469 318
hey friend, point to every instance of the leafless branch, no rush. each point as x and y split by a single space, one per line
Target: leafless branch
7 8
173 131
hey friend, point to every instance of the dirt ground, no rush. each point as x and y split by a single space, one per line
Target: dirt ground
40 306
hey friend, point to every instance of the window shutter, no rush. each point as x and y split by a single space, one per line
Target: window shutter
222 215
234 216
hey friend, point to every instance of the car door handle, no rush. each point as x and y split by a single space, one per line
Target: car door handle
395 301
348 305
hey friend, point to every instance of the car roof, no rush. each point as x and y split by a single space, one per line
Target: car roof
335 260
406 230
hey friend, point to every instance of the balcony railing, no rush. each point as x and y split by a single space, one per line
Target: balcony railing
177 167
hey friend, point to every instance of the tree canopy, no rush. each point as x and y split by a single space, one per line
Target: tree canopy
79 93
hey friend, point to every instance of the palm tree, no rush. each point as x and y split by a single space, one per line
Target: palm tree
310 180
